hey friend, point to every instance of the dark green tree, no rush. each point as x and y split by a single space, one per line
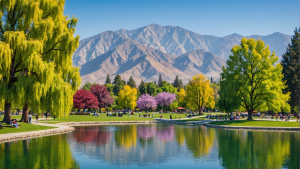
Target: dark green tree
131 82
211 80
143 88
108 81
180 85
159 81
118 80
290 65
119 84
176 82
151 88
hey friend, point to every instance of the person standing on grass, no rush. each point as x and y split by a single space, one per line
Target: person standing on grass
276 117
30 116
46 115
37 118
298 117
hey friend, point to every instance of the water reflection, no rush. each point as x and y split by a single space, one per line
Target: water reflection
155 146
46 152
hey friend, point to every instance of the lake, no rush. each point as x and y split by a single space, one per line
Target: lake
158 146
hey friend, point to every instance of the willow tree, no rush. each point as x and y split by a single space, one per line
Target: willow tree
252 80
36 47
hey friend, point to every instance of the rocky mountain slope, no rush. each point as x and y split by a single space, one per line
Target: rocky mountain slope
147 52
175 40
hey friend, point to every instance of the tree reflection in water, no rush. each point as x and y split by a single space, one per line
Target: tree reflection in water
37 153
258 149
126 136
166 133
92 134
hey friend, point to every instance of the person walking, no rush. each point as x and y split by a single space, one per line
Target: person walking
276 117
46 115
37 118
298 117
30 116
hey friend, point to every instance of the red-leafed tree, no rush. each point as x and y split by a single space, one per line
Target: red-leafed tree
84 99
103 95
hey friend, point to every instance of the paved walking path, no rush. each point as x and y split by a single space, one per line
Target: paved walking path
59 129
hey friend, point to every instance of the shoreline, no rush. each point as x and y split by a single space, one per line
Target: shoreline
66 127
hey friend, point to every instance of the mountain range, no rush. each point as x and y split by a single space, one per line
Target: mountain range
147 52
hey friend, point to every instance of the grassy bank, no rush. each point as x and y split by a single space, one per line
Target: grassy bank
23 128
257 123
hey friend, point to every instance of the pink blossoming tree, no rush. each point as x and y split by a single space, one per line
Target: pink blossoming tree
146 102
165 99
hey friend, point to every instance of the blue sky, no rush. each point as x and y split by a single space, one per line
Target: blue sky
206 17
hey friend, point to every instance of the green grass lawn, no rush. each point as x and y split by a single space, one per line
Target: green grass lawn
23 128
258 123
103 117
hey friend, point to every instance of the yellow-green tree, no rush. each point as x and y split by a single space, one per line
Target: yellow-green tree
181 98
255 81
36 47
199 93
127 98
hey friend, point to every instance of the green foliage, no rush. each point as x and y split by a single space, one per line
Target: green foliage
151 89
176 82
118 80
255 83
167 87
36 48
107 81
88 86
290 65
143 88
174 105
158 90
118 84
131 82
110 87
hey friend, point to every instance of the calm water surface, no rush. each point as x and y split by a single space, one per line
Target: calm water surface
154 146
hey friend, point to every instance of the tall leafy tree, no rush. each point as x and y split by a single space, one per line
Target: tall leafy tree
131 82
146 102
151 88
118 80
103 95
159 80
36 47
199 94
143 88
84 99
257 81
127 98
107 81
211 80
290 70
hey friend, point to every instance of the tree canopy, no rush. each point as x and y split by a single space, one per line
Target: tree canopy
146 101
257 81
127 98
165 99
290 65
131 82
36 47
199 94
102 94
84 99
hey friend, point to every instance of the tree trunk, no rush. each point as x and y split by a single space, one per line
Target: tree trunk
200 111
250 112
25 114
7 115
